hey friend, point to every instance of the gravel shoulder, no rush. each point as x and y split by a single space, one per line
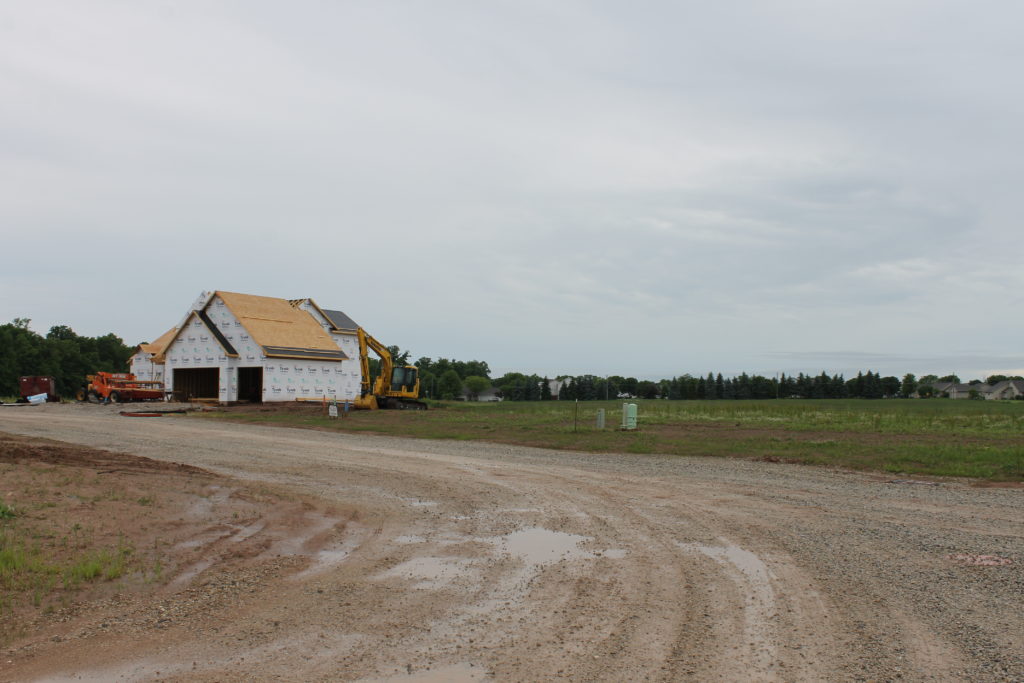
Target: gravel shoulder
462 561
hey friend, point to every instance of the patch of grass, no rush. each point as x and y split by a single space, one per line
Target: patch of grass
109 494
156 574
31 570
6 511
85 569
145 500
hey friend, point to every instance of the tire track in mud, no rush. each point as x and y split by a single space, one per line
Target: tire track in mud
724 635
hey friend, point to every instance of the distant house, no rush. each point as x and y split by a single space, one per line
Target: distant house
940 388
959 390
1007 389
490 395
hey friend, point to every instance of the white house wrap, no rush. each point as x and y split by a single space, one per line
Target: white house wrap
240 347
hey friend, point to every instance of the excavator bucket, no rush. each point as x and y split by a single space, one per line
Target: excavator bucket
368 402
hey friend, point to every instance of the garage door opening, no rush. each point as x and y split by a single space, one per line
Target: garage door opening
250 385
196 383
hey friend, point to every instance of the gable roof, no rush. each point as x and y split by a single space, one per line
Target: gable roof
211 328
160 344
280 328
1000 387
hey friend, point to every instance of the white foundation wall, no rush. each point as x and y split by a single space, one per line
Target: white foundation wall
284 379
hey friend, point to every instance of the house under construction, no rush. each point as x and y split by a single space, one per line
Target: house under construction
240 347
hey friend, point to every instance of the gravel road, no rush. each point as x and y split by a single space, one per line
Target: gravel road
465 561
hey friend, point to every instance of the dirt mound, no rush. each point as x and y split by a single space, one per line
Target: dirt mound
95 541
24 450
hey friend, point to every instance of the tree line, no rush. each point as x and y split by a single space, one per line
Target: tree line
62 354
741 387
714 386
448 379
69 357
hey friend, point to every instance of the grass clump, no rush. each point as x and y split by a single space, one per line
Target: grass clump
31 568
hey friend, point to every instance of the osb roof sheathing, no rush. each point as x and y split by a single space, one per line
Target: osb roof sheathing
160 345
274 322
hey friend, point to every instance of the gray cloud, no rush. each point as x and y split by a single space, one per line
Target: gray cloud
569 188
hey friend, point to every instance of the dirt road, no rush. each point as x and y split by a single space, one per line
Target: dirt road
456 561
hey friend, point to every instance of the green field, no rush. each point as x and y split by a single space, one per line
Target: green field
980 439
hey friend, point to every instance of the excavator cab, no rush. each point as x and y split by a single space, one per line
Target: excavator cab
404 380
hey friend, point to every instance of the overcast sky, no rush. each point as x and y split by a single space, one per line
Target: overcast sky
643 188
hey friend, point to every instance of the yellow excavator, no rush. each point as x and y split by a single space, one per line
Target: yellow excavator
395 387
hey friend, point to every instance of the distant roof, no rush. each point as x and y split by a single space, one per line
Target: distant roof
280 328
340 321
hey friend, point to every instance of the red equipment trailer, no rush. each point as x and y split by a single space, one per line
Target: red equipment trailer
34 385
118 387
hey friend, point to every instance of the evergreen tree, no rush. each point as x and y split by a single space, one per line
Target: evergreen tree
890 386
647 389
568 392
872 385
742 385
803 385
675 391
729 389
838 387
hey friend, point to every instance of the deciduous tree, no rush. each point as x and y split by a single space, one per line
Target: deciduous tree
449 385
476 385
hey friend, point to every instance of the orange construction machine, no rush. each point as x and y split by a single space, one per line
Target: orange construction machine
117 387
